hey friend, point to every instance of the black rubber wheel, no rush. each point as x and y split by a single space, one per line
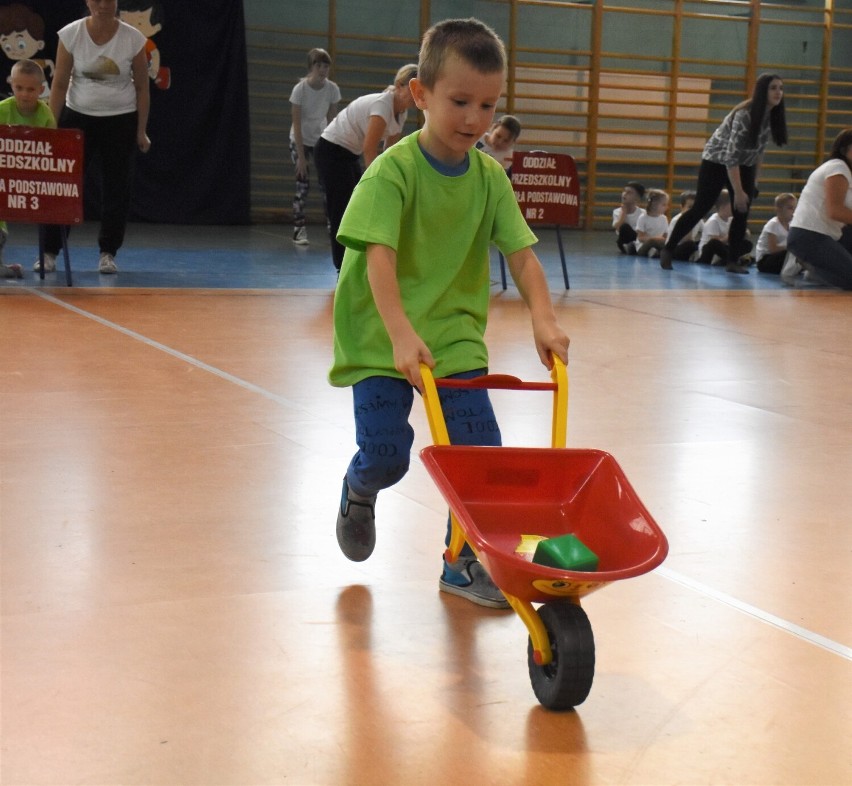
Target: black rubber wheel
566 681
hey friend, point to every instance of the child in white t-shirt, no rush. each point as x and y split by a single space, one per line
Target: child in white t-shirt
625 217
713 248
499 141
652 227
772 243
314 102
687 247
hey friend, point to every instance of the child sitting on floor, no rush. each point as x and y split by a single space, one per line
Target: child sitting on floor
652 227
713 248
772 243
689 245
625 217
499 142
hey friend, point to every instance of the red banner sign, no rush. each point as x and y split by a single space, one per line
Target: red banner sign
547 188
41 175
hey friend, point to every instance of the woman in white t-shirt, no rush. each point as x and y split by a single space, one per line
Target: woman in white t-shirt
366 126
100 86
824 208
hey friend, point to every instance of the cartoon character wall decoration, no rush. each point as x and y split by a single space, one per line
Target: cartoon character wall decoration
22 38
147 17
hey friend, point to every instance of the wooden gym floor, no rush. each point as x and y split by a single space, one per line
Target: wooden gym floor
175 609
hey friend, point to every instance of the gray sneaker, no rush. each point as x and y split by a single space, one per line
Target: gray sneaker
356 524
106 263
468 579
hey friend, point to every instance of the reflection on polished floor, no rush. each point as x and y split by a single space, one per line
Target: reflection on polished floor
175 609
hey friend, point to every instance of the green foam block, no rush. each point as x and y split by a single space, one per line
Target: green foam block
566 552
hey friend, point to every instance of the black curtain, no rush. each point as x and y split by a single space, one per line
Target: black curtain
197 171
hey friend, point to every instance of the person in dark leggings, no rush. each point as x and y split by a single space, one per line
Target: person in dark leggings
731 159
113 119
366 126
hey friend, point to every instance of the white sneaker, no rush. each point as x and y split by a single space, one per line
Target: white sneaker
106 264
791 266
300 236
49 263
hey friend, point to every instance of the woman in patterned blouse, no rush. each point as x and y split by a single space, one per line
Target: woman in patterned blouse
731 159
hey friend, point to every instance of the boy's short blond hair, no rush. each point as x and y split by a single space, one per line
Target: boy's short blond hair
784 199
471 40
656 195
27 68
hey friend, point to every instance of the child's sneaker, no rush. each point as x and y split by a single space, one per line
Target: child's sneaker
11 271
300 236
49 264
468 579
356 524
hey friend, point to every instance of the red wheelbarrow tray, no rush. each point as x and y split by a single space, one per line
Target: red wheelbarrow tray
498 494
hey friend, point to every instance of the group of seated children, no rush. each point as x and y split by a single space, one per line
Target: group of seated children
643 230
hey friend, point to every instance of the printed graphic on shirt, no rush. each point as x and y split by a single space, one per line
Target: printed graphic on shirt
102 69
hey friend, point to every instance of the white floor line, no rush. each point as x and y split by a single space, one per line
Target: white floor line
173 352
759 614
722 597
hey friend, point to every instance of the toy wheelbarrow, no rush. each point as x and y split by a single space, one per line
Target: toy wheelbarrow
499 497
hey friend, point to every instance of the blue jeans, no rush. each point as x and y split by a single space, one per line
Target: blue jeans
384 435
830 258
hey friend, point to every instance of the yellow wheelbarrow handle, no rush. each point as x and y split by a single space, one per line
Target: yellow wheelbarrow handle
559 386
440 435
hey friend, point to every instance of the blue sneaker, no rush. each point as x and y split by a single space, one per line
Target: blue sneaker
356 524
468 579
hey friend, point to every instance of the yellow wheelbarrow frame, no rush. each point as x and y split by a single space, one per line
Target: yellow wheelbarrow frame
559 434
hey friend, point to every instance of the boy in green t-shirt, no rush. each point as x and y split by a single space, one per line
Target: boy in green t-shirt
415 282
24 108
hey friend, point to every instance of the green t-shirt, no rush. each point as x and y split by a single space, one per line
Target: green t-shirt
10 116
441 229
